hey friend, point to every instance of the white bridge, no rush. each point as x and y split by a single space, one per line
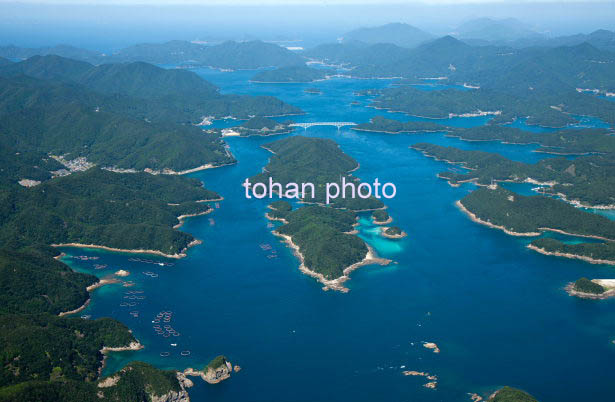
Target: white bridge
338 124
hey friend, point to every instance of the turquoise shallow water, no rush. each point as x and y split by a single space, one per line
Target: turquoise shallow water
497 310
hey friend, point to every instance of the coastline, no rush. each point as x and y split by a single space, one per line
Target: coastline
394 237
569 255
182 218
337 283
571 292
90 288
77 310
271 218
182 254
375 222
168 171
399 132
476 219
132 346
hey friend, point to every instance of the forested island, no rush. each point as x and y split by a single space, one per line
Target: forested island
381 217
531 215
521 215
323 238
383 125
584 285
588 180
562 142
510 394
536 105
596 253
261 126
292 74
393 232
319 161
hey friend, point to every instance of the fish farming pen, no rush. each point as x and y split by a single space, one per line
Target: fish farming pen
145 261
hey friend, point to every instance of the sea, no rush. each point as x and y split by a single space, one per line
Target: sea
497 310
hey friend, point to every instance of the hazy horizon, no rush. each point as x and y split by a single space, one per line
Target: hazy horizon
103 26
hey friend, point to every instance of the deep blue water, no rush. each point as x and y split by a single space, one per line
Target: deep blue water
497 310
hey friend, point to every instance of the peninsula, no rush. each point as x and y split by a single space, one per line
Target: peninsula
262 126
586 181
520 215
383 125
292 75
136 211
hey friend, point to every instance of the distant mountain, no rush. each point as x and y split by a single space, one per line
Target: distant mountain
173 52
553 69
135 79
249 55
493 30
601 39
71 52
399 34
69 120
227 55
175 95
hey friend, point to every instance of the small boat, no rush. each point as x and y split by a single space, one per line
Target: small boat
173 344
164 354
185 353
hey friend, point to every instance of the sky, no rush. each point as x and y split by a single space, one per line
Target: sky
286 2
107 25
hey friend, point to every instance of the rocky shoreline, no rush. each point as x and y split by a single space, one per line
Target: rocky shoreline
179 255
213 375
569 255
337 283
383 233
476 219
594 296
